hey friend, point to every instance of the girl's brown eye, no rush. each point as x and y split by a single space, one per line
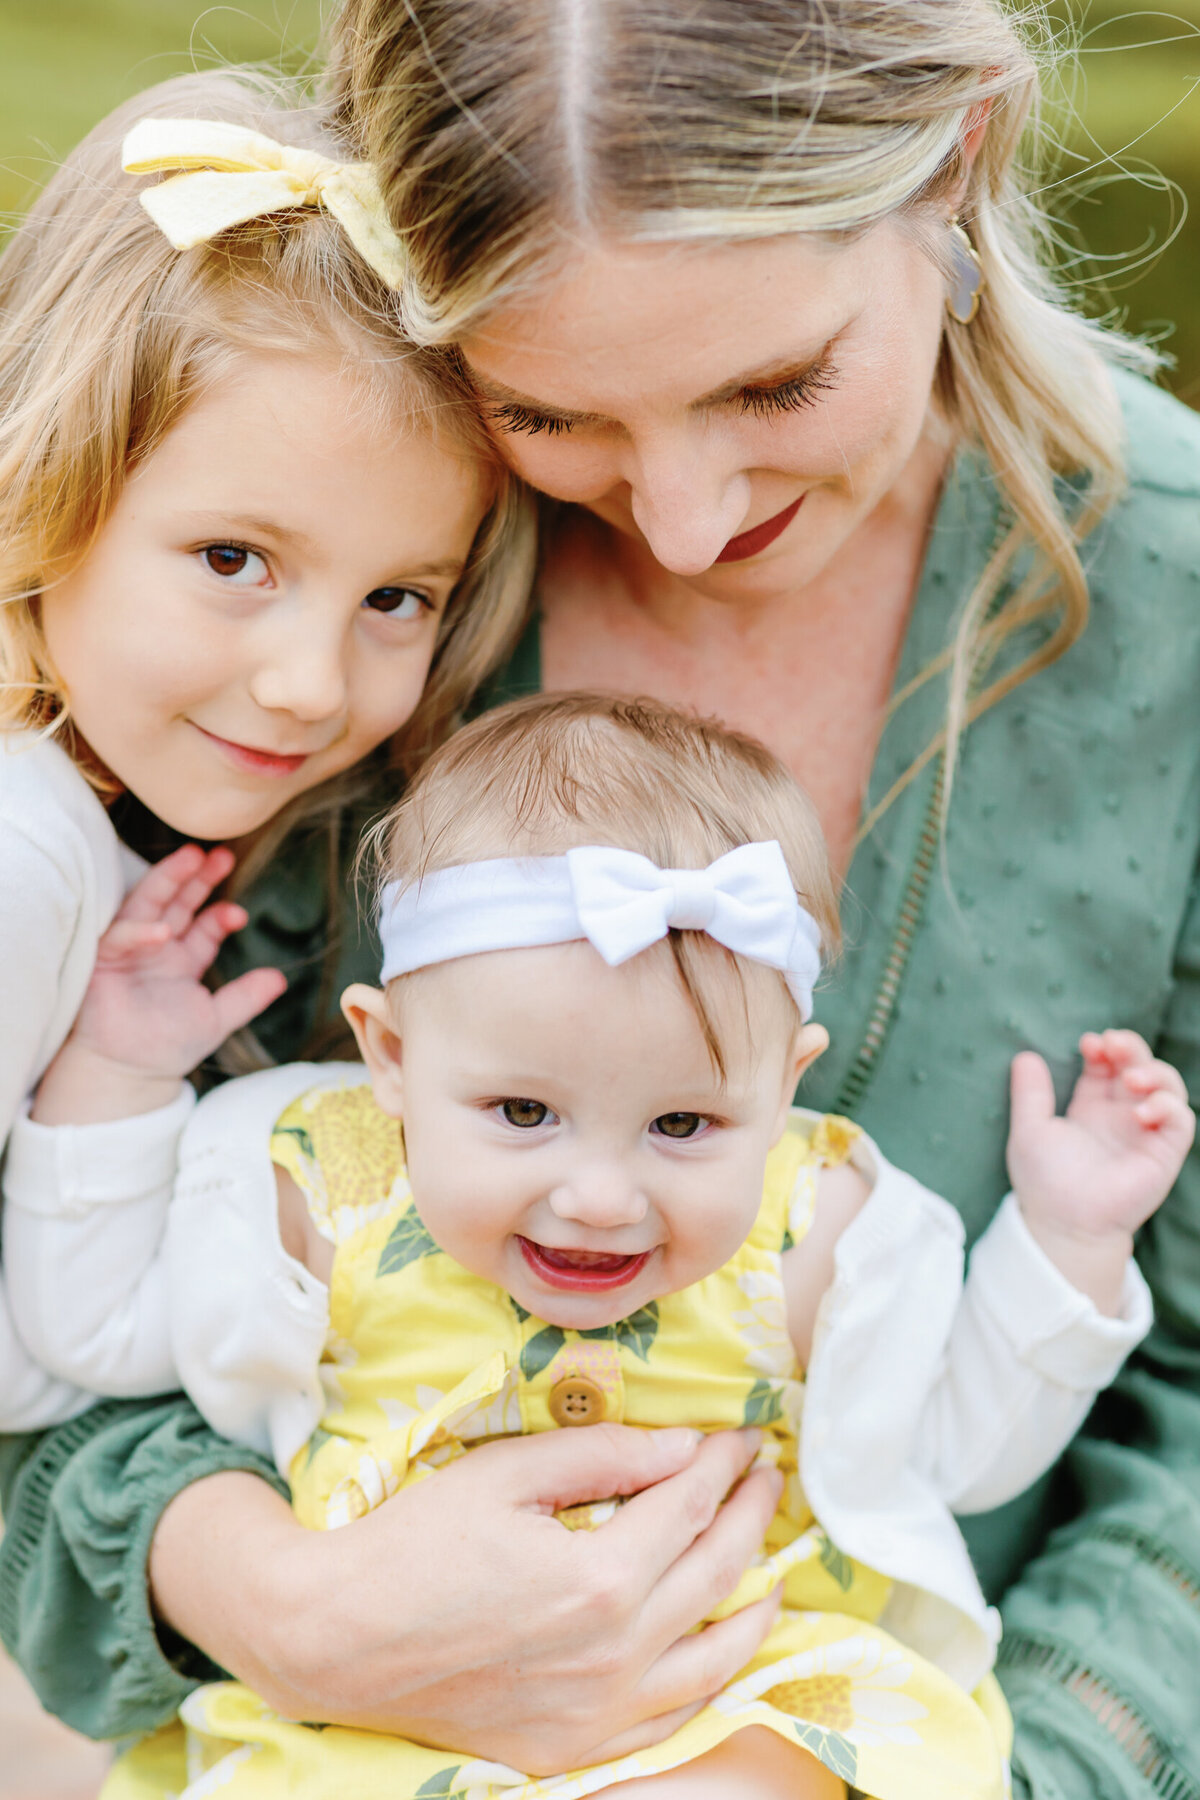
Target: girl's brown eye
226 559
677 1125
525 1113
397 602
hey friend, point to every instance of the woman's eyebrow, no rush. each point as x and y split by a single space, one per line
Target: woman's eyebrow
776 373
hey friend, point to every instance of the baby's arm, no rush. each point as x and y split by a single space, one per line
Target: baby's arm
89 1175
1088 1181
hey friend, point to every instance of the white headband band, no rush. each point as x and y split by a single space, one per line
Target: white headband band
619 901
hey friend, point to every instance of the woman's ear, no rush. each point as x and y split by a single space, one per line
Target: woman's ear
809 1042
367 1014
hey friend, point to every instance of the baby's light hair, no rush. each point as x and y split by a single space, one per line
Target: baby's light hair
542 775
108 335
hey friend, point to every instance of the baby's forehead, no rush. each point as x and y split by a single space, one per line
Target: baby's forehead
685 998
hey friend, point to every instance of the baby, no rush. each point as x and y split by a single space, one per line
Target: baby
569 1186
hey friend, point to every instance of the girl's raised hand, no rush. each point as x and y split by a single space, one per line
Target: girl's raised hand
1088 1180
147 1018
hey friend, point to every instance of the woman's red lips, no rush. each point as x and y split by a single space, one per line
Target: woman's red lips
749 543
578 1270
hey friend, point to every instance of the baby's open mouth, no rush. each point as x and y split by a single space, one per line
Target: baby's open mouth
578 1269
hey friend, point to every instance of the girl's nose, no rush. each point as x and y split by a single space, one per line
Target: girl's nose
686 500
601 1195
305 678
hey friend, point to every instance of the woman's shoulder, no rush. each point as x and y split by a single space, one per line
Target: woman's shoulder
1162 438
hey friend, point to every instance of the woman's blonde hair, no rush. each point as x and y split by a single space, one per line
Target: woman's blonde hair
552 771
108 334
505 129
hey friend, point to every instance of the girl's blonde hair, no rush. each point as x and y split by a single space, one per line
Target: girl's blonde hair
504 130
543 774
108 334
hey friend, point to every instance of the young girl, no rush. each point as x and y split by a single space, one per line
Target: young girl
602 925
248 537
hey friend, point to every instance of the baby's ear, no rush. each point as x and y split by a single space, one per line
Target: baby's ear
809 1042
368 1016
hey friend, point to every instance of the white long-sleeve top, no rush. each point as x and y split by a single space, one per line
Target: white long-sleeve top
63 873
923 1392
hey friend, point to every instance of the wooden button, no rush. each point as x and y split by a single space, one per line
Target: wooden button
576 1401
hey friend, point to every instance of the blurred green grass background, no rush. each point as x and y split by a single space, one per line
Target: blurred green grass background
1127 117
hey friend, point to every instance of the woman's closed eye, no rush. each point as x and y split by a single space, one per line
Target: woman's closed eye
765 401
236 564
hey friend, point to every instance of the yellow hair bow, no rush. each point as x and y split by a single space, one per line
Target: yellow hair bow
232 175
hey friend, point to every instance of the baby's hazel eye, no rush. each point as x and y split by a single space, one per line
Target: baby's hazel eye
397 602
525 1113
235 564
677 1125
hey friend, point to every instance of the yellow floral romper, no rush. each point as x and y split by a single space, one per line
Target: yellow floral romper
424 1360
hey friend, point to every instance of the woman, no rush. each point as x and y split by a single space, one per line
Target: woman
911 528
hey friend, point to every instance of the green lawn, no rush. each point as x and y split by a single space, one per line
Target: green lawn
1128 118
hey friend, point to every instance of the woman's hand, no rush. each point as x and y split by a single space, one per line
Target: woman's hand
1087 1181
462 1614
147 1018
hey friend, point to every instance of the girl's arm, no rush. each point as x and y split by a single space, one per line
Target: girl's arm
89 1174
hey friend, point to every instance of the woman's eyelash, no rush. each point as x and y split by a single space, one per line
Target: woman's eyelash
510 415
789 396
763 403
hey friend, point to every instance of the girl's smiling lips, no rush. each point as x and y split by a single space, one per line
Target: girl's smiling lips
749 543
262 762
581 1271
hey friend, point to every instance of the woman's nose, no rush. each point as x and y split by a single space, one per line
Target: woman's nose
686 500
302 675
602 1195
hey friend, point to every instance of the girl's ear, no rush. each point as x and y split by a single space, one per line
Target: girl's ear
367 1014
809 1042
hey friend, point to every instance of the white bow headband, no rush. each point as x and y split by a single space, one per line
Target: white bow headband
619 901
231 175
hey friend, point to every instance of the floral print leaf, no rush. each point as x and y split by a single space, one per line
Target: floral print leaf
302 1138
316 1442
837 1565
440 1784
518 1309
541 1349
598 1331
789 1242
764 1404
409 1241
638 1332
829 1747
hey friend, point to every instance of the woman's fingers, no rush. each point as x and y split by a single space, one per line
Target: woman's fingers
662 1524
702 1663
566 1468
708 1570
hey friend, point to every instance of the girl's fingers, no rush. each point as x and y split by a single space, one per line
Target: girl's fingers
150 897
194 892
125 938
239 1001
208 932
1117 1050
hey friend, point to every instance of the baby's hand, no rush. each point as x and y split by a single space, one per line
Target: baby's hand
1087 1181
147 1017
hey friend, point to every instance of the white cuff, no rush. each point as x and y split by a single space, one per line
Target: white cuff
61 1171
1057 1330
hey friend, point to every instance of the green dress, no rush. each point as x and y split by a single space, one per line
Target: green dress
1066 898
